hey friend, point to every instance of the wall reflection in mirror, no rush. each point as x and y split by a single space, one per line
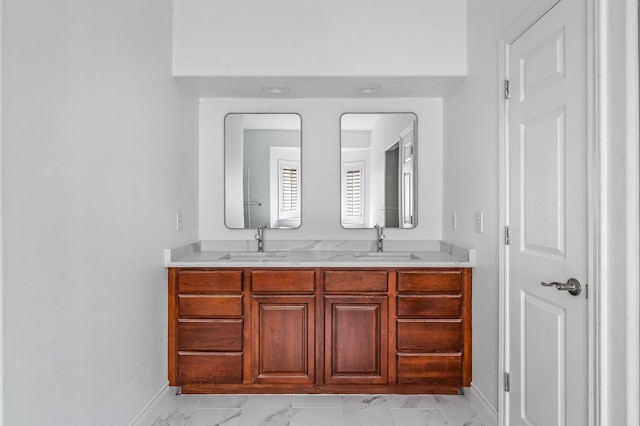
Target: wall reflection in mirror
262 170
378 164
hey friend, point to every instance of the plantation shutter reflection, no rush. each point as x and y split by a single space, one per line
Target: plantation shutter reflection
289 187
354 193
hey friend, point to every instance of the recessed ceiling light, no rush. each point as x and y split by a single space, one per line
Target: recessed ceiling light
276 89
368 89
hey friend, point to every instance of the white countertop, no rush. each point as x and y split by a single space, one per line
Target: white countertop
319 253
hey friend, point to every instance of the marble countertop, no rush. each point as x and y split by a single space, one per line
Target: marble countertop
319 253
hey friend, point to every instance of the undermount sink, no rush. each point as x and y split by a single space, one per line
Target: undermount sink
254 256
302 256
385 256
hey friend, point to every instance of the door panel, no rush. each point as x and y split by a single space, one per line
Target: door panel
407 193
543 184
283 339
547 220
543 66
543 361
356 350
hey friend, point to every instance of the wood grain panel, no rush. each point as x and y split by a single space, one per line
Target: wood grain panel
443 306
283 339
172 322
430 369
291 281
210 367
225 335
467 327
310 330
356 342
430 335
203 306
355 281
209 281
430 281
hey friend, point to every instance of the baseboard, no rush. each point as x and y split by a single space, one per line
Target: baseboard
481 405
163 392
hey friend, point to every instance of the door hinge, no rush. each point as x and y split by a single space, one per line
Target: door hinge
506 236
507 382
507 94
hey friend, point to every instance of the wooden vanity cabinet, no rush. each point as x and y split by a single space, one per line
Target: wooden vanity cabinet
205 327
320 330
283 326
356 319
434 327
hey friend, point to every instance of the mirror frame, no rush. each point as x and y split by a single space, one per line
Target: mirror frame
413 182
225 152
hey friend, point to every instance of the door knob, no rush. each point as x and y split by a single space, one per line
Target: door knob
572 286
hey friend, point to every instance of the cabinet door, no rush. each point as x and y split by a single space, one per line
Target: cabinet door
356 349
283 339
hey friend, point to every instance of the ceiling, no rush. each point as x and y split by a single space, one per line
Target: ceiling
319 87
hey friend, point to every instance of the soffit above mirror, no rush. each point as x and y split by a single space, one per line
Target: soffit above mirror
319 87
326 39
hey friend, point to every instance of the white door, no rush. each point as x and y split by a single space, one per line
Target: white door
547 358
407 171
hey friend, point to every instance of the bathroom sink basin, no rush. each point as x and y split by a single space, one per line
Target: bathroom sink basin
385 256
254 256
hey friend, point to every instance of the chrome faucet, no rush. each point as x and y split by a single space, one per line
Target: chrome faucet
379 229
260 237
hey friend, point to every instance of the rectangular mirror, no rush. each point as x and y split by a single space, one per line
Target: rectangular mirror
378 170
262 170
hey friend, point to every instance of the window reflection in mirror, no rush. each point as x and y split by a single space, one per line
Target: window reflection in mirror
378 170
262 170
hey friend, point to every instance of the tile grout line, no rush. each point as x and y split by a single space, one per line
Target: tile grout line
386 398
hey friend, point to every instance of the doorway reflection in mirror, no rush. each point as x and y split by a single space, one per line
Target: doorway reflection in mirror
378 170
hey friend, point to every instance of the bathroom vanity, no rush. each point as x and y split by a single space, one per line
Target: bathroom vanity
319 321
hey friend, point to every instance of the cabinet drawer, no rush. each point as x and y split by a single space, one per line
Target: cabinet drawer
283 281
210 335
350 281
432 369
209 281
430 335
430 306
201 306
431 281
210 367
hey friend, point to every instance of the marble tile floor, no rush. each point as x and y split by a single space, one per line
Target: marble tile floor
315 410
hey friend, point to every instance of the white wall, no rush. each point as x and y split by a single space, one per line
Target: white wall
471 176
100 151
326 38
321 166
234 179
